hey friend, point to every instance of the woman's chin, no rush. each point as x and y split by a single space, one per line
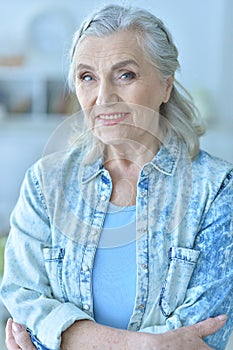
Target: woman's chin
113 135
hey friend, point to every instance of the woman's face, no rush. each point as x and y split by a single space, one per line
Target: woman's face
118 89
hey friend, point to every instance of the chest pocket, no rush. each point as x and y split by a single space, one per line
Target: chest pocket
182 262
53 259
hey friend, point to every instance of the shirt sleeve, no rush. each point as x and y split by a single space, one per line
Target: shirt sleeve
210 291
26 289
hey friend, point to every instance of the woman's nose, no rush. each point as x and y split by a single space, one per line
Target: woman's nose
106 93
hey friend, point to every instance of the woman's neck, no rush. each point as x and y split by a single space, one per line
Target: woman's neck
130 152
124 163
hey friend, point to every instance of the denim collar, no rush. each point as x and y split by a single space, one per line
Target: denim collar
165 160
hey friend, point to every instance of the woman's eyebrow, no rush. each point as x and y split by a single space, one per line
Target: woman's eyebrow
81 66
117 65
124 63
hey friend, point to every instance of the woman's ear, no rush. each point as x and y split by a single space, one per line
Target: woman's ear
169 85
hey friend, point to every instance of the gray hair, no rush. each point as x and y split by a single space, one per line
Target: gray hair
156 41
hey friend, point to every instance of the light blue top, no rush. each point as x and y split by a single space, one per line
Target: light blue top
184 245
114 270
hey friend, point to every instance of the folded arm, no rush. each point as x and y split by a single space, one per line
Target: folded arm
87 335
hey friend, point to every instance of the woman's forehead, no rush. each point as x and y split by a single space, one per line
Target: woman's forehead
118 46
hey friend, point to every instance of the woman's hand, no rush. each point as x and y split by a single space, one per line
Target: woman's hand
88 335
17 338
190 337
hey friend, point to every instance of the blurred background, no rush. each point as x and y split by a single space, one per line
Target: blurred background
35 37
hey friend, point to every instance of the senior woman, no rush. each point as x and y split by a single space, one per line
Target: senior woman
124 240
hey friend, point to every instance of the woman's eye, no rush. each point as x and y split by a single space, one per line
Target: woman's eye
86 77
128 75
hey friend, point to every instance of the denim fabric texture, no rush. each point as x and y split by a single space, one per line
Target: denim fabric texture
184 245
36 342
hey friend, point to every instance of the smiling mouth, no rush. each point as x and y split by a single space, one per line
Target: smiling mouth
113 116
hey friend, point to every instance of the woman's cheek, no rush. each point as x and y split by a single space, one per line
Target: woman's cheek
84 98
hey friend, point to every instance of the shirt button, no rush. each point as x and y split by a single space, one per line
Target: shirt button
144 266
94 232
85 268
144 194
103 198
86 307
141 306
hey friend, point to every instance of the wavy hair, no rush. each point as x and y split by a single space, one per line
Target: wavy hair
157 43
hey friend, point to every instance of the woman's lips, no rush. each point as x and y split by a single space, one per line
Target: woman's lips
112 118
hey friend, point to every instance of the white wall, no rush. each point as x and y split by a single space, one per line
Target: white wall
197 27
21 144
201 29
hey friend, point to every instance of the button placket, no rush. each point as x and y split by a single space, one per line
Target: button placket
142 296
88 258
142 256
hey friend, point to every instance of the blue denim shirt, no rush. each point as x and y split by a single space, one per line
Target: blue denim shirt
184 214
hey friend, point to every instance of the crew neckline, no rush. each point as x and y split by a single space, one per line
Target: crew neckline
114 208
